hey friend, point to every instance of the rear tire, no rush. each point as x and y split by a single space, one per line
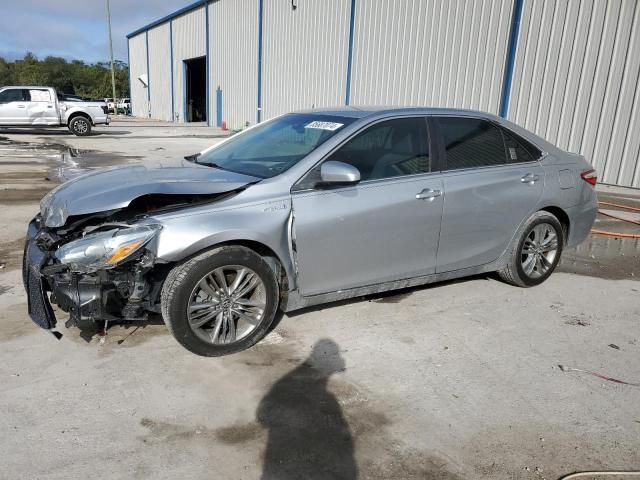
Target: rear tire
210 305
80 126
535 251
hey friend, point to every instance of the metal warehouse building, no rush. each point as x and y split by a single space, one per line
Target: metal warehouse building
565 69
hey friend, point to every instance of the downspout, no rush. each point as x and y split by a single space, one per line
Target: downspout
511 57
208 63
129 65
148 77
352 21
260 14
173 103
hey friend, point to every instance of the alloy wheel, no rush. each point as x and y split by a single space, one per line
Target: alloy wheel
227 304
80 126
539 250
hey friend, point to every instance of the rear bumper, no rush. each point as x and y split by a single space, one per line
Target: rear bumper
581 219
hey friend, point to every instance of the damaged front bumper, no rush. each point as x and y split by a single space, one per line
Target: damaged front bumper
124 293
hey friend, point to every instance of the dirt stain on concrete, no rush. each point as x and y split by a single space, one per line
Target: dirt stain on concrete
159 431
15 322
11 254
238 434
391 297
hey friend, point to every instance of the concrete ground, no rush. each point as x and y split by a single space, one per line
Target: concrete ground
451 381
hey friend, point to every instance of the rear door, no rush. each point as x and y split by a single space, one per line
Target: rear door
13 106
41 107
384 228
492 183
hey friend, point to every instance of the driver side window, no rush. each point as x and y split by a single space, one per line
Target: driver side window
388 149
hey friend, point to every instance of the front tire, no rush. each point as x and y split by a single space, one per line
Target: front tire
80 126
221 301
535 251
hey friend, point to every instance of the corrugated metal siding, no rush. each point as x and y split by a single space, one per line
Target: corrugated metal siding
137 67
304 54
430 52
233 37
188 42
160 72
576 81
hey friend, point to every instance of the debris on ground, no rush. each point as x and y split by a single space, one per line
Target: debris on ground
613 345
564 368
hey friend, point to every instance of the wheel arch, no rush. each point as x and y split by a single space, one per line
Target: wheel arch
79 113
283 269
562 217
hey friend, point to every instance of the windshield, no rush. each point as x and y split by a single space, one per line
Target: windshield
272 148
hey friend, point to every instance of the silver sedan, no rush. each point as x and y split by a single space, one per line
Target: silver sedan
307 208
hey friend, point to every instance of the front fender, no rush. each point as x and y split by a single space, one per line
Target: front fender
268 224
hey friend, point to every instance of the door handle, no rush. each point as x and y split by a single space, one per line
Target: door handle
428 194
530 178
21 106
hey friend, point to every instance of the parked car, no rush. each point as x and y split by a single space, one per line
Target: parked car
307 208
111 105
41 107
124 106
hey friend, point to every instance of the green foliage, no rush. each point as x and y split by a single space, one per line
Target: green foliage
74 77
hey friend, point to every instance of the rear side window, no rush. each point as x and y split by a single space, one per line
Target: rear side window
40 95
519 150
14 95
471 142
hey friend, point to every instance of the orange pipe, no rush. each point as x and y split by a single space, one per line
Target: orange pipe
626 207
618 218
617 234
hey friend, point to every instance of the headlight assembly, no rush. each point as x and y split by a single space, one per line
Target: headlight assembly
105 249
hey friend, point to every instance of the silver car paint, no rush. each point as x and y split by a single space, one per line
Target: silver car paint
116 187
373 230
470 237
335 245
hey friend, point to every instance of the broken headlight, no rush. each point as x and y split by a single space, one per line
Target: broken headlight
105 249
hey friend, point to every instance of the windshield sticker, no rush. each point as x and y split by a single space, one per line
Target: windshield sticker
331 126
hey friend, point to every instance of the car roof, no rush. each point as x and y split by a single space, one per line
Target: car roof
362 111
380 111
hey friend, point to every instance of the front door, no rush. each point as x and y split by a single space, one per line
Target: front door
492 185
384 228
13 106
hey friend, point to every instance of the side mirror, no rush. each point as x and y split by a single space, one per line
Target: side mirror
333 172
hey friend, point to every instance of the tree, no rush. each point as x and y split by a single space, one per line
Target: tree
71 77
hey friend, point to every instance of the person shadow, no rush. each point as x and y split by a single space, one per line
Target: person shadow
308 435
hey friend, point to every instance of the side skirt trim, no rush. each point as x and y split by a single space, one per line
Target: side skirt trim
295 301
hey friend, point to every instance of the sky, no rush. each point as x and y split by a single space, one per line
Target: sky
75 29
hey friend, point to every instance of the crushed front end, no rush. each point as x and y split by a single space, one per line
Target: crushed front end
94 270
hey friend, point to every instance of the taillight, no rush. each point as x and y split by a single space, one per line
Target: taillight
590 176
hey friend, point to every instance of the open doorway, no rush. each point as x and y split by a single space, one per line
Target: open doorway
195 75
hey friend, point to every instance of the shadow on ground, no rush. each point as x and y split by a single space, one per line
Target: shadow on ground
307 433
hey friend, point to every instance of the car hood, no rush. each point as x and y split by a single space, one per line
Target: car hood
115 188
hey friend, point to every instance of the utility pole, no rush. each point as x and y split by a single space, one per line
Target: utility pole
113 73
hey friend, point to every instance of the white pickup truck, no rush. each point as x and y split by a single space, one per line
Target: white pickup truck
44 107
